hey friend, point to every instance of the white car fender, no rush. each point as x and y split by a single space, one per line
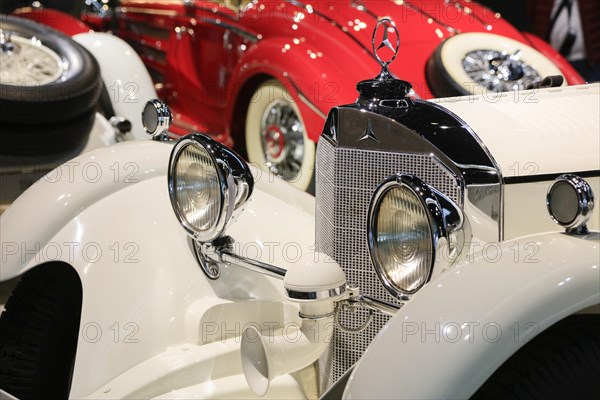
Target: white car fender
124 74
143 289
453 334
67 191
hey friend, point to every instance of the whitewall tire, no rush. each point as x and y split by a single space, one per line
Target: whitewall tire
276 138
471 63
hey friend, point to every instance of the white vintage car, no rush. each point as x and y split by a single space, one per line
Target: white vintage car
451 251
51 87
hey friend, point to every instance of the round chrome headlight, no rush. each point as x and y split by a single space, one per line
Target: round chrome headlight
570 201
405 223
201 187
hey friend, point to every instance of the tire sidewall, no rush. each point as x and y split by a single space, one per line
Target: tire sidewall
75 93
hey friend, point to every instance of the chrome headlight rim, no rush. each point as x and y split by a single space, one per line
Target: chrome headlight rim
156 118
584 198
224 181
435 218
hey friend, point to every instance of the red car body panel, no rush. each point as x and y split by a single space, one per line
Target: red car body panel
207 59
58 20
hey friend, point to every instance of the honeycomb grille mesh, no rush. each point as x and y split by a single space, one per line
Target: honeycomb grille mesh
345 182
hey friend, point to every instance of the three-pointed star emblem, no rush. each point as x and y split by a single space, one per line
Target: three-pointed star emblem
368 133
385 42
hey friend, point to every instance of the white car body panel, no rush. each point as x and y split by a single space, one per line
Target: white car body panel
532 137
124 74
180 293
525 211
457 331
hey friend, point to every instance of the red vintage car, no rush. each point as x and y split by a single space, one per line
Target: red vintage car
263 74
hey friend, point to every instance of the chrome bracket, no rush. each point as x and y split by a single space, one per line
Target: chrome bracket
209 255
354 300
220 251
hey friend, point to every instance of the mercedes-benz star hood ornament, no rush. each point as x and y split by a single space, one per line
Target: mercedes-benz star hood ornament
383 28
385 43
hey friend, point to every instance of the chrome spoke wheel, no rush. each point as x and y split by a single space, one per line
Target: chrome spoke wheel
276 137
478 62
282 136
500 71
27 62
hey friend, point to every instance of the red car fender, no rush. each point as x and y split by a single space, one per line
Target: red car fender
55 19
572 76
493 20
314 79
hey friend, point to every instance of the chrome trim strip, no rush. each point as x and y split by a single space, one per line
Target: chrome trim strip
309 104
216 21
142 10
548 177
245 34
319 295
316 317
379 305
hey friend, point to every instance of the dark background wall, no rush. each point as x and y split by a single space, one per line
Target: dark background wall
515 11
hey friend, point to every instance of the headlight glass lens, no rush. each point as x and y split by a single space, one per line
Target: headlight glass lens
402 240
563 203
570 201
197 188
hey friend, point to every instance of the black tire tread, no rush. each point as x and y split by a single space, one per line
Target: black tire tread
68 137
562 362
38 333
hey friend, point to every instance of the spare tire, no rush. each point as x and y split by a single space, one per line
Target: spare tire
474 62
46 78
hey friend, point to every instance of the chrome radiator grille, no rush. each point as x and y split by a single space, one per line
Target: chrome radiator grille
346 179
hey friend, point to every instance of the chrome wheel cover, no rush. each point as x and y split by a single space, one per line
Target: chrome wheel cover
499 71
282 138
27 62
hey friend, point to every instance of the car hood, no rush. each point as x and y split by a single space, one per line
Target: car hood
422 27
418 22
536 132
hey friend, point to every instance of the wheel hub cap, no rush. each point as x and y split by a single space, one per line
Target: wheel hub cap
27 62
275 144
282 137
499 71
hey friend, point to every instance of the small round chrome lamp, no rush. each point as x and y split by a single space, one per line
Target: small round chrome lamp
157 118
570 202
